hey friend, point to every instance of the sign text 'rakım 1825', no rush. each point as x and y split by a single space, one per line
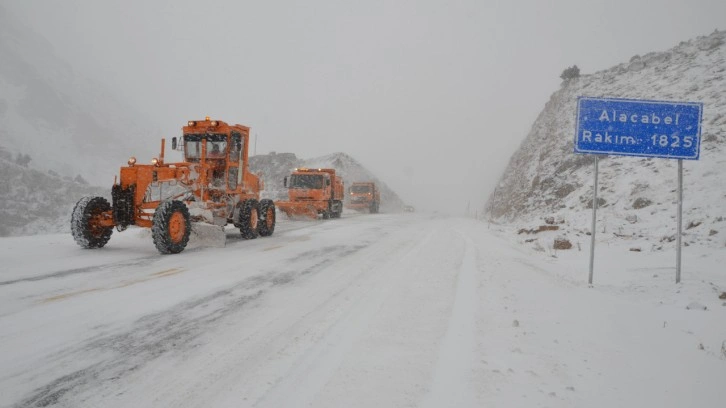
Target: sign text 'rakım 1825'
629 127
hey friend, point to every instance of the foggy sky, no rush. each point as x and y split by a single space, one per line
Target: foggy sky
432 96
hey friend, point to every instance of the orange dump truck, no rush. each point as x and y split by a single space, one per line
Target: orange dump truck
213 186
364 196
313 192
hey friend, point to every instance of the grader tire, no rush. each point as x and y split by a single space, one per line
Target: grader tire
268 217
171 227
248 219
84 222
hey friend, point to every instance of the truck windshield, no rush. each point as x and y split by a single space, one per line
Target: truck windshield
313 181
360 189
216 146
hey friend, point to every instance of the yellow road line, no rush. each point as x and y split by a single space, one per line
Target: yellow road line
155 275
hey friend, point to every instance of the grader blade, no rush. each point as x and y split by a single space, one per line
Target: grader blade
207 235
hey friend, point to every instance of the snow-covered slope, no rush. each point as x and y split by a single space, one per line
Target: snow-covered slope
637 196
63 121
274 167
33 202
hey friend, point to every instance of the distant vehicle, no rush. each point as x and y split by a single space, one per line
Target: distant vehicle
313 192
408 208
364 195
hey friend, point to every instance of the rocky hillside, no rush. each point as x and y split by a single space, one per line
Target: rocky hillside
274 167
546 180
34 202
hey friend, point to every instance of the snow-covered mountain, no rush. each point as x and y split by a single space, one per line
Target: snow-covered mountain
637 196
61 120
274 167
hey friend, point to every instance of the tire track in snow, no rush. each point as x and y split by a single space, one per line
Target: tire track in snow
232 238
87 269
172 331
452 383
97 370
238 373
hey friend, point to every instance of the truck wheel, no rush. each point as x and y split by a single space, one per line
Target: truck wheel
85 222
338 209
266 226
171 227
248 218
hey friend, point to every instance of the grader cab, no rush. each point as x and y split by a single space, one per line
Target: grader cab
212 186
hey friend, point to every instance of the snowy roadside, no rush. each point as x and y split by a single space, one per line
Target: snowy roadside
634 338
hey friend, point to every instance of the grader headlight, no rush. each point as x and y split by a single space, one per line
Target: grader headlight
132 160
155 161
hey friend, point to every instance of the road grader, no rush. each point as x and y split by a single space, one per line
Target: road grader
212 186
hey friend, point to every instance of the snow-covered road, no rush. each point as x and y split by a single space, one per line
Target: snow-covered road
369 310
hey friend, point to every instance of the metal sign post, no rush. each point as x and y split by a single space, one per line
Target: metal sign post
680 220
628 127
594 219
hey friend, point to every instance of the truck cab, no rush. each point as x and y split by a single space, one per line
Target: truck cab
313 192
307 185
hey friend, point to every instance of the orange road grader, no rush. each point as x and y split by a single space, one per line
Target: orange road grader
313 192
212 186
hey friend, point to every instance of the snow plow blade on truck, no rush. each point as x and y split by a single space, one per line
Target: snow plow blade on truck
313 192
298 210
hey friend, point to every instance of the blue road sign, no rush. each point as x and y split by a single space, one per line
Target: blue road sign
628 127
